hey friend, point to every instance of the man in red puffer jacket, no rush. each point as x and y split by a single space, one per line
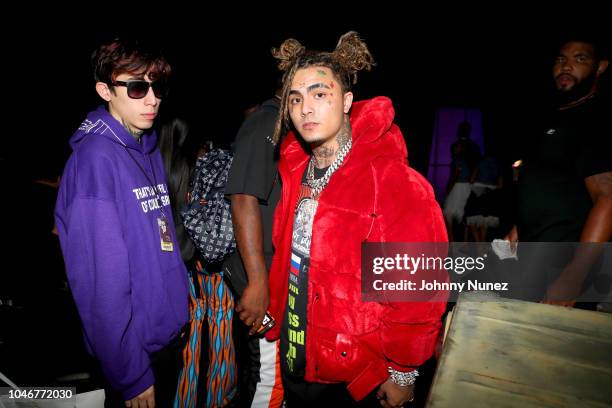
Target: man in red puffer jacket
345 181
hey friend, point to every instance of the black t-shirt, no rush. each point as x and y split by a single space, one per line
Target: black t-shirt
553 202
293 331
254 169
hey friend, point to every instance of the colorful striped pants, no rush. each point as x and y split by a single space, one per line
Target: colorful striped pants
217 305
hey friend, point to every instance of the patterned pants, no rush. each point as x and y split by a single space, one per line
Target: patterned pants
217 305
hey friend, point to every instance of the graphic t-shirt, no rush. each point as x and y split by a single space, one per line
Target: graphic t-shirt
293 331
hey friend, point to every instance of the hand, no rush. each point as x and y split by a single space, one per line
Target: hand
562 292
512 236
145 400
253 305
391 395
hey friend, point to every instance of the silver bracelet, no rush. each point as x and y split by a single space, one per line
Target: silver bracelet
401 378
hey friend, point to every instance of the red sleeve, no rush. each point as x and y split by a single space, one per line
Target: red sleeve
409 213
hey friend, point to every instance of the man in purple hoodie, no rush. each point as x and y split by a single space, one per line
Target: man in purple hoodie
126 274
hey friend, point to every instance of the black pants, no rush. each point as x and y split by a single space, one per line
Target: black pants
248 359
299 393
166 364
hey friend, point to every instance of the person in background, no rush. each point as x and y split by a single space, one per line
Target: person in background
254 190
565 181
212 303
465 155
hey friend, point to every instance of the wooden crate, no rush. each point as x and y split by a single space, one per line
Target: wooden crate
511 353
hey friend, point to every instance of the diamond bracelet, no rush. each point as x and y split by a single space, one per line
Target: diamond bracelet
401 378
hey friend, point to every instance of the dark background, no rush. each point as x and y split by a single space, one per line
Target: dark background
496 59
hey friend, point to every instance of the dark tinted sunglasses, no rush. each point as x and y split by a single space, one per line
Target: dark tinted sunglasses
138 88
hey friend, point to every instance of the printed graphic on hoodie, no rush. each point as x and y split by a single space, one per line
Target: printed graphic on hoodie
150 199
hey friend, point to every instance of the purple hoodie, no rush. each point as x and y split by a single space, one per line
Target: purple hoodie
132 296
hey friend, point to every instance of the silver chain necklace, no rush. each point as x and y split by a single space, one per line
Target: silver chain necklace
317 185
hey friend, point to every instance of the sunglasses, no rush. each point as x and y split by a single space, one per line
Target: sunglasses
138 89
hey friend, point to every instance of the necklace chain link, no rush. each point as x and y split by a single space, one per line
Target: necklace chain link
317 185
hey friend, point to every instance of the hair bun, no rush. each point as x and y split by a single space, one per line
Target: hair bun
353 54
288 52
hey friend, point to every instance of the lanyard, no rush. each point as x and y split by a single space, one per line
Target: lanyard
153 183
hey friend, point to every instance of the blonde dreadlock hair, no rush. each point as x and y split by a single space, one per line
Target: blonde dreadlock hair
350 56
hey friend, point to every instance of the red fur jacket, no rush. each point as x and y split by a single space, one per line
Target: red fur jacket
374 196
